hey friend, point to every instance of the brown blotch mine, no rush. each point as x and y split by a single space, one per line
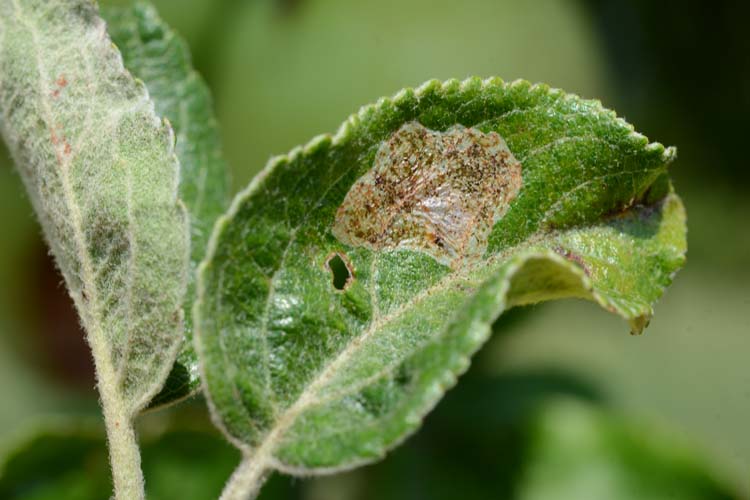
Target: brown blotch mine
435 192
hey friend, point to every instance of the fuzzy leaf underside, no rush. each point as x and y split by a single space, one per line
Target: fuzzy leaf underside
304 377
153 53
100 169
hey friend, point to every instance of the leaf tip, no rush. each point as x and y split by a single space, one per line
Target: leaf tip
639 324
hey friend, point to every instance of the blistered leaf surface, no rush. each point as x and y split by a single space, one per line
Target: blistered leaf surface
153 53
440 193
306 376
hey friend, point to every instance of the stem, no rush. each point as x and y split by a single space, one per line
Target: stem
246 480
124 454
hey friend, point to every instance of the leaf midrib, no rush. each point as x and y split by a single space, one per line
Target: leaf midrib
90 308
263 454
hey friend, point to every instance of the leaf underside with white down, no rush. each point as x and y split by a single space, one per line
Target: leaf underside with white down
442 207
156 55
101 172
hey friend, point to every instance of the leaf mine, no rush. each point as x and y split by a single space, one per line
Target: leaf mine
420 197
436 192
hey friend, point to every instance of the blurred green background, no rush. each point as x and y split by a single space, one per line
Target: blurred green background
561 403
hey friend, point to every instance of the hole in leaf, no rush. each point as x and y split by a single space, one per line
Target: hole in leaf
340 270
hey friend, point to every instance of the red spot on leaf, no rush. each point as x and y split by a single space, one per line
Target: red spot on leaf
61 83
62 147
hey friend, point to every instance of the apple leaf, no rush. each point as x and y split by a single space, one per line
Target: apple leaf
349 284
100 168
156 55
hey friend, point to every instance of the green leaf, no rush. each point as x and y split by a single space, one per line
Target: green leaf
101 172
522 437
65 459
447 205
59 459
560 449
153 53
577 452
